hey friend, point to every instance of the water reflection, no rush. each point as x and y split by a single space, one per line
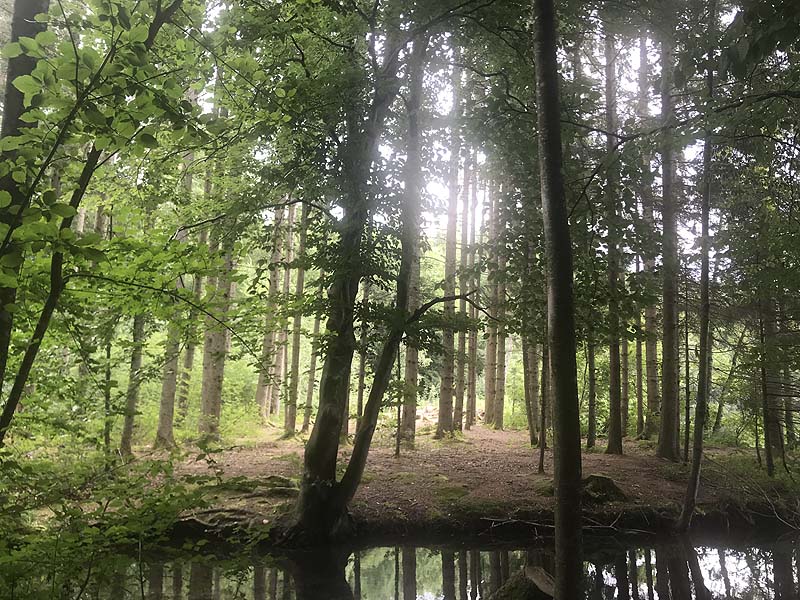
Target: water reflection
675 571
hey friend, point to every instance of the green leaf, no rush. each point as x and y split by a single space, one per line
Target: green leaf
5 199
280 93
94 254
63 210
148 140
12 50
27 85
139 34
46 38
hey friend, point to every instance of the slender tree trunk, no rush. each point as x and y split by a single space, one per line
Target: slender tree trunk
362 355
687 378
269 353
215 347
639 374
191 338
591 433
703 373
770 383
312 367
530 367
290 416
409 573
259 582
448 576
615 418
474 280
668 435
134 381
626 386
411 373
282 351
445 422
413 188
544 403
165 437
728 381
463 284
650 311
560 311
500 377
490 361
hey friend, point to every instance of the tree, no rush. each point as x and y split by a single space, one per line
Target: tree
290 416
560 310
446 390
668 438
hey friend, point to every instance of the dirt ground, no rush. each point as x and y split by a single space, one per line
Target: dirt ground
485 475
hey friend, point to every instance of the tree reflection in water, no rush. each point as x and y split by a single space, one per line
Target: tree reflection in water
664 571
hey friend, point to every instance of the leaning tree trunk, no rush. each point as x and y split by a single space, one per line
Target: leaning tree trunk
290 416
560 311
668 435
134 382
445 421
322 502
615 389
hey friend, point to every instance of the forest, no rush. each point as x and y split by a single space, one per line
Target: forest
505 292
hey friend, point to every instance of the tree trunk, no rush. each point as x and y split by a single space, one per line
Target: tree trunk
215 347
322 502
24 25
591 433
413 188
639 374
290 416
703 372
409 573
269 351
626 387
362 354
615 387
544 402
134 381
500 372
650 311
463 284
445 425
530 368
312 367
560 311
165 437
728 381
280 375
668 434
770 387
448 576
472 345
490 361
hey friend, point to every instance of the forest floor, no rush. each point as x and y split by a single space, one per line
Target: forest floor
486 481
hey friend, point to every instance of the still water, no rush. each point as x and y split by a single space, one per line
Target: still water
675 570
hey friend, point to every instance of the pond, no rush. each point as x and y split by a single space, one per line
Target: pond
656 571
